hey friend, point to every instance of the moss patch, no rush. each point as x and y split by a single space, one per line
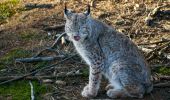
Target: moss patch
20 90
7 9
10 57
85 72
164 70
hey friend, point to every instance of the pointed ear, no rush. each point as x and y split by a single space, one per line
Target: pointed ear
87 13
67 12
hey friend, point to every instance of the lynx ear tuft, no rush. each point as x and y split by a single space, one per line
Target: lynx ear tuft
67 12
87 13
65 9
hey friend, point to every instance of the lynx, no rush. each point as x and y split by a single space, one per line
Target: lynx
108 53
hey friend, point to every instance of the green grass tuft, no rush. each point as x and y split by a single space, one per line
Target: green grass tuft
30 35
7 9
10 57
20 90
164 71
85 72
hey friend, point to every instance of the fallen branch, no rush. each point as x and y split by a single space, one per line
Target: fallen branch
162 85
57 40
30 6
36 71
41 77
164 77
56 27
27 77
27 60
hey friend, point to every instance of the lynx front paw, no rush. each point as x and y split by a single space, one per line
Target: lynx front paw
88 92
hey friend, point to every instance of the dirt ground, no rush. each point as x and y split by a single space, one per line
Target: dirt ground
34 29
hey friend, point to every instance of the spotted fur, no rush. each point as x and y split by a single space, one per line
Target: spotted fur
108 53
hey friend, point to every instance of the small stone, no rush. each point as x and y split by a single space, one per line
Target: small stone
47 81
49 33
59 82
77 72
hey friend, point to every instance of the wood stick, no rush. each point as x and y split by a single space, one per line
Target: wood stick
56 41
56 27
37 59
150 54
40 77
157 42
164 77
162 85
27 77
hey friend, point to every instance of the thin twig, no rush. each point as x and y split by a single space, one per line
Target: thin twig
41 77
157 42
36 71
57 40
150 54
52 48
32 90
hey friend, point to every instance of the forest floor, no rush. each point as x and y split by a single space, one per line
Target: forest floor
30 26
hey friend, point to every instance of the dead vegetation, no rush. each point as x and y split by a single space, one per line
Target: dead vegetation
33 45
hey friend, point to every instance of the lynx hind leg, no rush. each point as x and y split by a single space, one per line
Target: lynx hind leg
117 93
131 90
125 84
131 83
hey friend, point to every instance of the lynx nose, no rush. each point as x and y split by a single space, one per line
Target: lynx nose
77 38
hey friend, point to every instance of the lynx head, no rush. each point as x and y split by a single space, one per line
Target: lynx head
77 27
